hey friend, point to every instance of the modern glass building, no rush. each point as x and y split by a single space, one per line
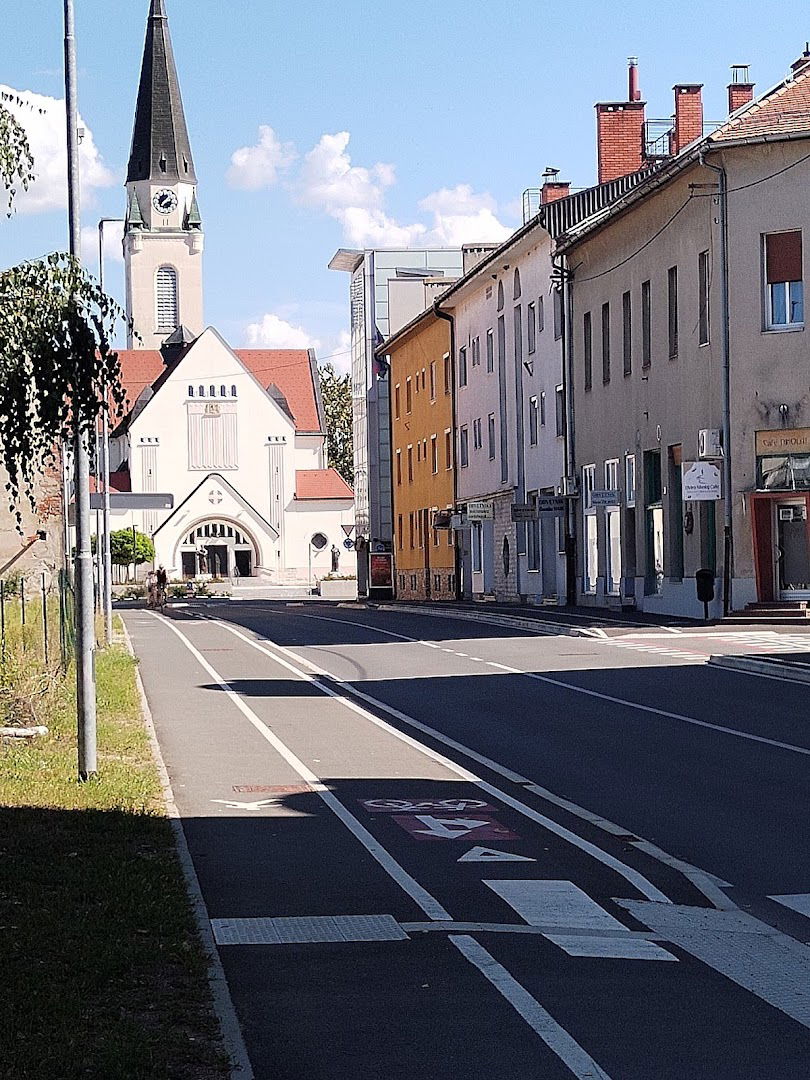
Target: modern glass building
372 321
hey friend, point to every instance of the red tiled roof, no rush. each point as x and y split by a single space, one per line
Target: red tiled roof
288 369
784 110
321 484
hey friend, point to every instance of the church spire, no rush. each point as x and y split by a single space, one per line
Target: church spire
161 150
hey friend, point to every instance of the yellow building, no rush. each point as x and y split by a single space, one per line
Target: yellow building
422 457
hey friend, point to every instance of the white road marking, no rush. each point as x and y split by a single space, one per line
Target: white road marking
485 854
769 964
232 804
447 828
429 904
796 902
581 1064
563 904
645 887
555 1036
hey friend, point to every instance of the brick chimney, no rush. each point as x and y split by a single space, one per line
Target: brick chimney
553 188
688 115
620 131
803 61
740 89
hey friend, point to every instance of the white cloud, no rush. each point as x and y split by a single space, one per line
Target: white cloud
44 121
354 195
273 332
113 249
256 167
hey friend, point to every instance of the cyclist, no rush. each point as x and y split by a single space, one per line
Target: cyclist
162 580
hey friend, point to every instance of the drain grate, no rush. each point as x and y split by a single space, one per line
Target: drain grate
307 930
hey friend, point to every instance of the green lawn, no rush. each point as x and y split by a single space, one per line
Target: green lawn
102 972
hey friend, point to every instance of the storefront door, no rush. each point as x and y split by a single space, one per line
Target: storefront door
792 554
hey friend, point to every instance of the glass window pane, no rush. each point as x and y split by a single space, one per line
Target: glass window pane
797 301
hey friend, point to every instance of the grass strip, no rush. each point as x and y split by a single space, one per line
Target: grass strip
103 974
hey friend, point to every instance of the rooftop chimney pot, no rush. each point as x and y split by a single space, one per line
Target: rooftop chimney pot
740 89
688 115
633 91
803 61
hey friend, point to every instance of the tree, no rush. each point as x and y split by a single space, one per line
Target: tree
56 326
124 553
336 391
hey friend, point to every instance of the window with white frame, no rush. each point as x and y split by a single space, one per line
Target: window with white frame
490 351
531 327
533 417
784 280
590 534
476 352
462 366
630 480
434 454
477 438
541 315
463 448
542 408
491 435
613 539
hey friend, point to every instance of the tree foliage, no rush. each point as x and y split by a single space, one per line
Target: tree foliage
124 553
16 161
336 391
57 365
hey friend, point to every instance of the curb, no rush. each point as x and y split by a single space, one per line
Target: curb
774 669
538 626
232 1038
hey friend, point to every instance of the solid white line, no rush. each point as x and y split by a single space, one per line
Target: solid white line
232 1037
556 1037
581 1064
429 904
627 872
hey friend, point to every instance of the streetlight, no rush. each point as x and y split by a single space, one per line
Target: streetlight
85 628
105 463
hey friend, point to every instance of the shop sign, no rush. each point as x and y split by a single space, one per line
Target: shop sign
701 481
480 510
785 441
524 512
606 498
550 504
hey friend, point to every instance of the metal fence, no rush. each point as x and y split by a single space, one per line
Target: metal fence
37 618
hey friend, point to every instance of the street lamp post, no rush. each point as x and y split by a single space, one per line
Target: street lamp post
85 628
105 463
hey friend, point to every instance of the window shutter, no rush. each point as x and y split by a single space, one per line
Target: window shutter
783 257
166 297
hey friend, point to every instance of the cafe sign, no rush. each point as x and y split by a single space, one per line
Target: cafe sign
784 441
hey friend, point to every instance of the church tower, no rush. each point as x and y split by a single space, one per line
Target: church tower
163 239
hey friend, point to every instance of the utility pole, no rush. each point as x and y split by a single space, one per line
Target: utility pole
85 628
106 557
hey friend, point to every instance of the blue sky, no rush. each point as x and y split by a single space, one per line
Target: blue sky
361 123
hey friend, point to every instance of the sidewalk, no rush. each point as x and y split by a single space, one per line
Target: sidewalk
796 668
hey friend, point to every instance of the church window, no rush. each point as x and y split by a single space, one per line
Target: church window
191 391
202 391
166 298
233 391
213 390
222 391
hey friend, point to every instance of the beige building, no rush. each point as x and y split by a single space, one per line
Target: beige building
650 294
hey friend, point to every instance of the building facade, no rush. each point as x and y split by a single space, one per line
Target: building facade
373 319
652 369
235 438
423 459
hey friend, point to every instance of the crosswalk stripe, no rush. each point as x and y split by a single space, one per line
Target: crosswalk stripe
564 904
796 902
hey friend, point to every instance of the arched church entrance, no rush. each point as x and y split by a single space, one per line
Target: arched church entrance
218 549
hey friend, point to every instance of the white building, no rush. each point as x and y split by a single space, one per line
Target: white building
236 437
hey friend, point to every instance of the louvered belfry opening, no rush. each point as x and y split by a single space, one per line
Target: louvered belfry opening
168 314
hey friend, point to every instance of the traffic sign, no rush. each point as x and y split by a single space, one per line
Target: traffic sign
348 543
348 529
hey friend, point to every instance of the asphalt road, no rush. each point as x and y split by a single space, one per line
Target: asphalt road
437 849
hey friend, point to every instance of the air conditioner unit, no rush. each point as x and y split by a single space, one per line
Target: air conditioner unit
710 443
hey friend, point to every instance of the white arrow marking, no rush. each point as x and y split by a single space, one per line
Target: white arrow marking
486 854
447 828
234 805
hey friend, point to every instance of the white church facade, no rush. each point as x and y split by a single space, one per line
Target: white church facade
236 437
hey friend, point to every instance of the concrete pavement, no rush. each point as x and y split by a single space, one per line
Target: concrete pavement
450 856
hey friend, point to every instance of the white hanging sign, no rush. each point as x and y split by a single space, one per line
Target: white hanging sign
702 481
